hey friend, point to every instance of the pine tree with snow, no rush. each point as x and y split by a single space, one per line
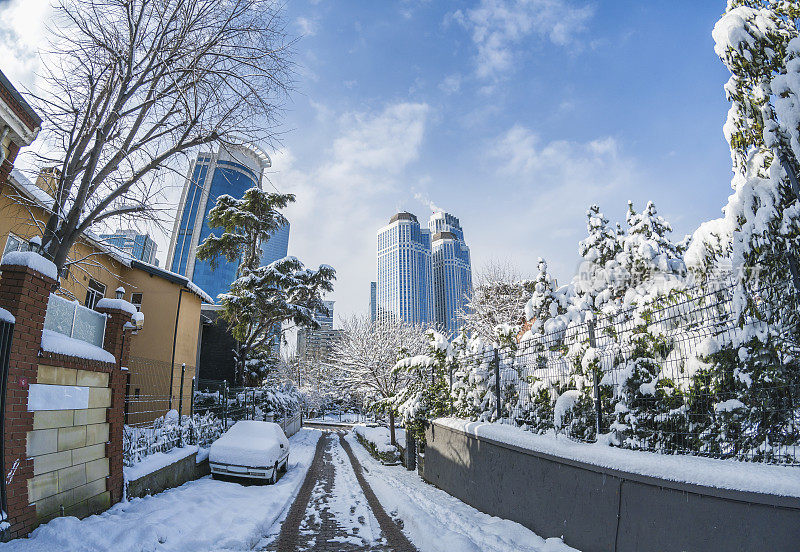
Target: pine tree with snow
261 298
427 395
546 301
598 251
646 406
646 247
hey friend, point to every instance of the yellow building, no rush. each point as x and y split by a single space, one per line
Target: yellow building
170 302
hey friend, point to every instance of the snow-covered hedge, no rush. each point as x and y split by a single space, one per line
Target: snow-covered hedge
167 433
377 441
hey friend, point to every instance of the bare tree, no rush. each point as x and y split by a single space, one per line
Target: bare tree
367 353
498 297
134 86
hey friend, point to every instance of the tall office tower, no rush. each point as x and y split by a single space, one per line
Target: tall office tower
373 293
404 287
139 246
277 247
230 171
317 345
452 271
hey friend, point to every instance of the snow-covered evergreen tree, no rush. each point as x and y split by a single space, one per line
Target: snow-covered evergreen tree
598 251
427 395
546 302
260 298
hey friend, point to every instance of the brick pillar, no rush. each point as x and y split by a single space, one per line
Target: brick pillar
24 292
117 342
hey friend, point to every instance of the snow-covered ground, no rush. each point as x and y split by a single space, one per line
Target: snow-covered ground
434 521
200 515
343 417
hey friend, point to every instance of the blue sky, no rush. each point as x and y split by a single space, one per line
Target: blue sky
513 115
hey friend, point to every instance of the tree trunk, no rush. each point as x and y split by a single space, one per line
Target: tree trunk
392 440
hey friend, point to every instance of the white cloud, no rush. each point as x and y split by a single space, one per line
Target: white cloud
23 33
346 191
308 27
542 191
498 27
451 84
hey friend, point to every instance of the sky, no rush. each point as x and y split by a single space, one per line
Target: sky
513 115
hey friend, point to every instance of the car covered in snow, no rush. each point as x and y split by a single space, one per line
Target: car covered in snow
250 449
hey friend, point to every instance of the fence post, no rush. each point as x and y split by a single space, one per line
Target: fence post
171 383
411 451
225 404
180 405
253 417
497 382
598 410
180 396
191 402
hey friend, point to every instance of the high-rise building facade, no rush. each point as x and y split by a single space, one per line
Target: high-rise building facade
277 247
317 345
139 246
452 271
230 171
373 298
424 275
404 271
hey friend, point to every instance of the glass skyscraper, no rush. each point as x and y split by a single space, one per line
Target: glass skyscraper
452 271
404 271
230 171
277 247
424 274
139 246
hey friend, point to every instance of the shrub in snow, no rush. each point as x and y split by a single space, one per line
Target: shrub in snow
749 409
168 432
378 443
427 395
473 389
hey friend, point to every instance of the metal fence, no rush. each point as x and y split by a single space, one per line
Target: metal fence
6 334
686 374
231 404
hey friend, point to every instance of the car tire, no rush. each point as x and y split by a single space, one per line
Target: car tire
285 464
274 478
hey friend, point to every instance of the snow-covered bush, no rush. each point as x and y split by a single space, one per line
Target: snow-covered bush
427 395
377 441
168 432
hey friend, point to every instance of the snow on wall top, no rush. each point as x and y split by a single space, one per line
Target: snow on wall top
156 461
6 316
116 304
31 260
710 472
54 342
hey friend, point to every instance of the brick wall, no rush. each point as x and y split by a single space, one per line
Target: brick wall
70 458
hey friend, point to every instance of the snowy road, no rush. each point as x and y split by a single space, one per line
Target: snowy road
334 498
333 515
434 521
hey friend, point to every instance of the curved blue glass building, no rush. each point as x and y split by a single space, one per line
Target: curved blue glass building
230 171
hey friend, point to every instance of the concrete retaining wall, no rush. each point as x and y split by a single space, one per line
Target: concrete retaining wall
597 509
173 475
